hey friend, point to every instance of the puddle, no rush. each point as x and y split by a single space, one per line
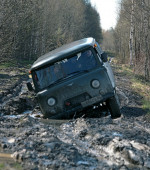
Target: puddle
53 122
82 163
117 134
27 112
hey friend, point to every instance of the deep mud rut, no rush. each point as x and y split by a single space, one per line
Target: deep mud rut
83 143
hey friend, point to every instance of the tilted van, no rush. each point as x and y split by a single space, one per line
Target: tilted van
74 78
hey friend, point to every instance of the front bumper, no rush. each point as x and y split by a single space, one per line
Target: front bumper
83 106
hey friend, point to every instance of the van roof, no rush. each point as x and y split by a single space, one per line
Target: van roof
61 52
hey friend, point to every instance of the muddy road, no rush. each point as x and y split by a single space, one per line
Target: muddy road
83 143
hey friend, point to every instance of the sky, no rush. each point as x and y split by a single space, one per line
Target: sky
108 12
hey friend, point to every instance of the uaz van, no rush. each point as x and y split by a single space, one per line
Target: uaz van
74 78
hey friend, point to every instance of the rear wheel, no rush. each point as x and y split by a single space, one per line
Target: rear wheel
113 106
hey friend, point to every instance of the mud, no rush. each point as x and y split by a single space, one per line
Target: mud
83 143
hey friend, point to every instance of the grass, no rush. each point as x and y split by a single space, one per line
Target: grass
2 166
7 65
18 166
15 64
139 85
146 105
21 67
9 165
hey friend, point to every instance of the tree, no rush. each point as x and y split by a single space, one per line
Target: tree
133 27
32 28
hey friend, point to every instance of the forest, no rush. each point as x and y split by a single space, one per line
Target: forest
34 27
132 36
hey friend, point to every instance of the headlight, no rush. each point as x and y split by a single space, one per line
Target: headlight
95 84
51 101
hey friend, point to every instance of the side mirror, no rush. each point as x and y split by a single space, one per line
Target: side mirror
104 57
29 86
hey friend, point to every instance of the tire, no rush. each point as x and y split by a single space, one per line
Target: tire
113 107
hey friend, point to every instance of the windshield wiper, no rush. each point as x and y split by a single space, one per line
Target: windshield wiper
68 75
57 81
77 72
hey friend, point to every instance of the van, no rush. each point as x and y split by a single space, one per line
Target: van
73 79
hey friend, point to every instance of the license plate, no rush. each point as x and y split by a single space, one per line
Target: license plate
91 101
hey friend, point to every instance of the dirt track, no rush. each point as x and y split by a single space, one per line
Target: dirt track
84 143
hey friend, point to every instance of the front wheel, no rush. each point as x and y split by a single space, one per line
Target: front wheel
113 107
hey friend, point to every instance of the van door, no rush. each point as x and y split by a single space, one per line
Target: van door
110 73
107 66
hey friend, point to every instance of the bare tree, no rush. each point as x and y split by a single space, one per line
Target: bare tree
134 27
131 35
33 27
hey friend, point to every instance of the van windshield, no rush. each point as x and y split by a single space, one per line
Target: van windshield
81 62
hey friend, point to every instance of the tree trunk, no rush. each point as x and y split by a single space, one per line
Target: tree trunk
146 26
131 35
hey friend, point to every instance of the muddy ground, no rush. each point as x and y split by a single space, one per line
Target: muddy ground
83 143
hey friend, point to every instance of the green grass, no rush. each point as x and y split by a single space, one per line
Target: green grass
7 65
18 166
15 64
26 62
139 85
2 166
146 105
7 165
